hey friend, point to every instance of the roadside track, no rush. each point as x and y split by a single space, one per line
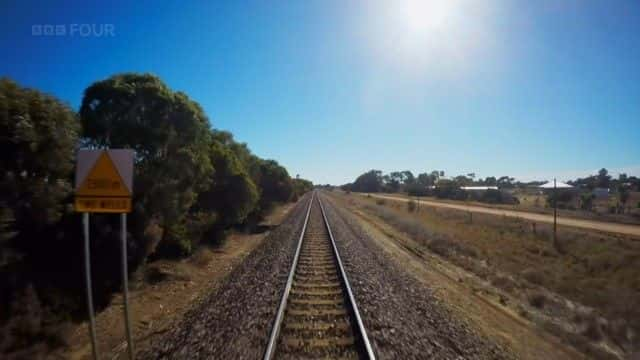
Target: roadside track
633 230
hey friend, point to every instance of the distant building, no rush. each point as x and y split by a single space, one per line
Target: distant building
478 188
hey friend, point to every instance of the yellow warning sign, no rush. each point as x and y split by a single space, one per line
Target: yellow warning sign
103 180
103 205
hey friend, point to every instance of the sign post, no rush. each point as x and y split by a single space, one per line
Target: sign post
104 180
125 283
87 269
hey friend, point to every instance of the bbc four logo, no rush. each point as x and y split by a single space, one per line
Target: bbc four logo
74 30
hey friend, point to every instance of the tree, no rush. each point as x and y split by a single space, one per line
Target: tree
396 178
300 187
171 137
462 180
586 201
623 195
505 182
408 178
426 180
491 181
274 183
38 135
371 181
232 194
603 178
449 189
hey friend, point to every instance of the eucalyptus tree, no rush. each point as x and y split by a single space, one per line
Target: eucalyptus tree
171 136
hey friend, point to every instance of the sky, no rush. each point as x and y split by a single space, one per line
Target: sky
331 89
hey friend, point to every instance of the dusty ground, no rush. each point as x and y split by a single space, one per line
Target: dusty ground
580 291
156 305
626 229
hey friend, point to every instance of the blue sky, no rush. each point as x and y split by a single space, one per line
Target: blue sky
330 89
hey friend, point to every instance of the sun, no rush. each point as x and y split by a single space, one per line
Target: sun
423 17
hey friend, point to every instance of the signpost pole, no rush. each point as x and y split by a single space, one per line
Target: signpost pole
87 267
125 283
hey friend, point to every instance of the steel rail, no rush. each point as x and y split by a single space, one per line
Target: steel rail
361 329
275 331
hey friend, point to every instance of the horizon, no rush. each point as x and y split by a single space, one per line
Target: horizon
343 89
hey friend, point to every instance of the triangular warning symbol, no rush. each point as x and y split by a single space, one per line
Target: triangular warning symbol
103 180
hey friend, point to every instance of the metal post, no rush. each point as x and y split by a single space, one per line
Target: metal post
87 268
555 212
125 283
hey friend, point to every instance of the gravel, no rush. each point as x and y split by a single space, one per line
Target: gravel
235 320
402 318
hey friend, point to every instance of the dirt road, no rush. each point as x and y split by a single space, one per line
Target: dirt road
633 230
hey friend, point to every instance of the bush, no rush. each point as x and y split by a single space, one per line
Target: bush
594 330
450 190
381 202
417 190
441 247
537 300
493 196
533 276
411 206
564 198
504 282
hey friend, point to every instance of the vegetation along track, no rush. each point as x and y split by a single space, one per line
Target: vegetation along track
318 316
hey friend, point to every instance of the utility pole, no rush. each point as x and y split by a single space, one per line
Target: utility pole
555 213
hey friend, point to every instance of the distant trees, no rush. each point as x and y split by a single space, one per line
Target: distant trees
426 180
300 187
603 178
449 189
371 181
435 184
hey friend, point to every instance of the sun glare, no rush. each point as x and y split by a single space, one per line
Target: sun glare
442 37
424 16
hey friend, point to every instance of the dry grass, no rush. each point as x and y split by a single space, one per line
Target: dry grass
596 269
202 257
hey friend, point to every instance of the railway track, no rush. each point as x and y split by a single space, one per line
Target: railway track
317 316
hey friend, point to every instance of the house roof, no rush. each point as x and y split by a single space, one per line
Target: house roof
479 187
559 185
